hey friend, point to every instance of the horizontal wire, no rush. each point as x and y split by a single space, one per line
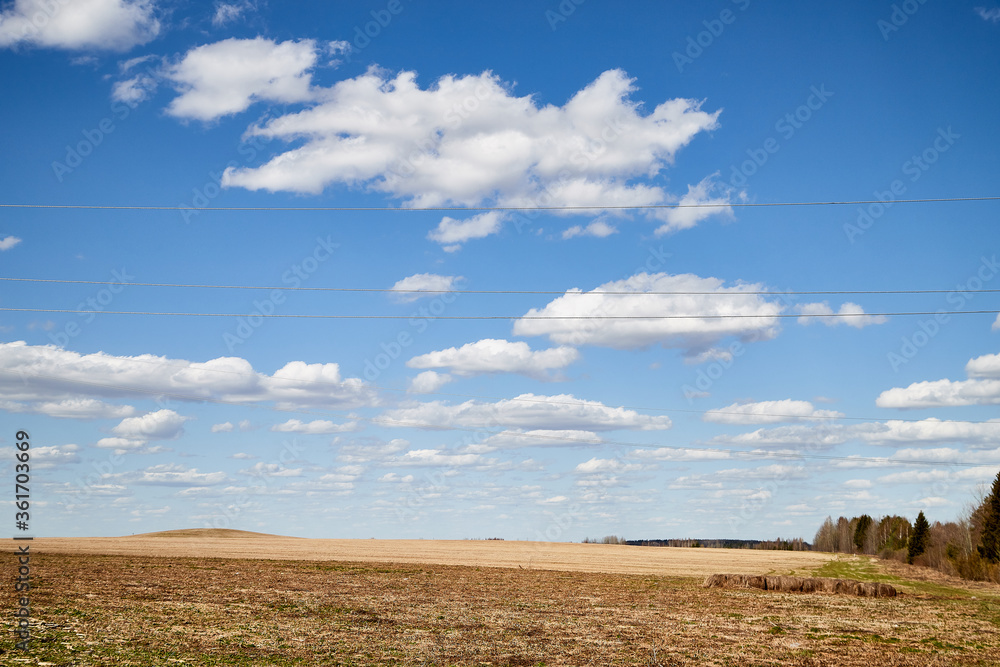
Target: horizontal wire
392 290
500 317
499 208
761 454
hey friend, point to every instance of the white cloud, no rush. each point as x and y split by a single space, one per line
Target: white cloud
529 411
71 408
261 470
317 427
452 233
428 283
46 456
365 450
226 77
226 12
391 477
224 427
468 140
121 444
497 356
134 90
159 425
41 374
850 314
596 466
992 15
768 412
694 335
438 457
115 25
996 324
428 382
890 432
982 389
598 228
682 454
171 474
8 242
986 366
540 438
709 197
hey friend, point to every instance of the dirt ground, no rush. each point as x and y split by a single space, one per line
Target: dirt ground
200 609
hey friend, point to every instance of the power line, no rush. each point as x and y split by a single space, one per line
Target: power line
393 290
502 317
754 454
497 208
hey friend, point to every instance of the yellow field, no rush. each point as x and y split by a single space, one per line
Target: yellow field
616 559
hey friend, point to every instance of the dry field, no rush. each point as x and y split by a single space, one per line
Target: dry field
175 600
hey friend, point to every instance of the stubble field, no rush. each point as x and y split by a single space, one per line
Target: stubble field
202 598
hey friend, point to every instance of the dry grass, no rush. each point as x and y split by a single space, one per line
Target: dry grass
485 553
183 610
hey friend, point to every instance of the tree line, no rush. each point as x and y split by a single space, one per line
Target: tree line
968 547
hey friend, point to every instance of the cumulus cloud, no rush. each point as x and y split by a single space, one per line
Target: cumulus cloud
890 432
516 439
226 77
664 299
428 382
421 285
497 356
224 427
316 427
986 366
134 433
467 140
170 474
983 388
35 375
598 229
46 456
528 411
709 197
8 242
71 408
452 233
850 314
113 25
768 412
596 466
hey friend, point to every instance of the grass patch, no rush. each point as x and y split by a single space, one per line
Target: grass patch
864 568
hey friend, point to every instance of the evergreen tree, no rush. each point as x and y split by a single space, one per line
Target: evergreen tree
989 546
918 540
861 532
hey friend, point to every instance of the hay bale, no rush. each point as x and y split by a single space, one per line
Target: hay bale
784 584
886 591
811 585
787 584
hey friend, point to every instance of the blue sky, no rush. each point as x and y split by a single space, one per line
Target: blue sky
618 418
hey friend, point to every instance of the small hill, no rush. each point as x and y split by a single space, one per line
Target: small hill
207 532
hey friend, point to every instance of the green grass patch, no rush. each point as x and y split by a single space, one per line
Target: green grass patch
863 568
